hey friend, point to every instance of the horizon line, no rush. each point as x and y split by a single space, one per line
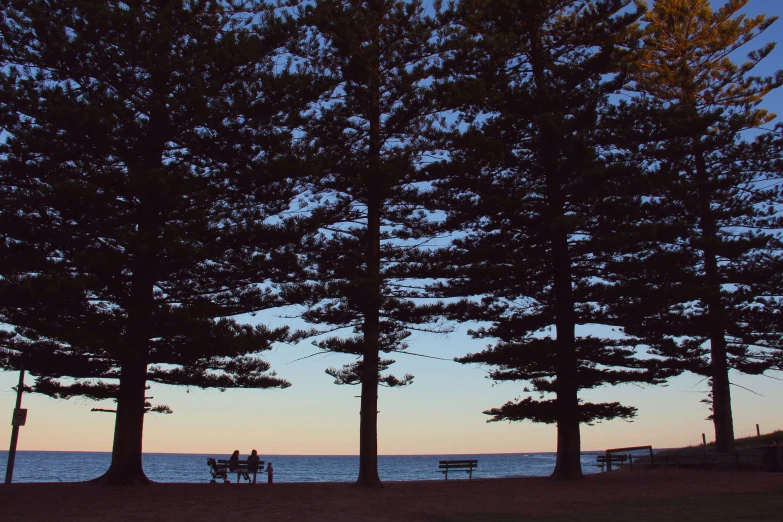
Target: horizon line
108 452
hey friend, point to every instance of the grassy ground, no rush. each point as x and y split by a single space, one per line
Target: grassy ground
659 494
758 507
746 445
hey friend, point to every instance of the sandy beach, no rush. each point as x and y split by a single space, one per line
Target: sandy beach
456 500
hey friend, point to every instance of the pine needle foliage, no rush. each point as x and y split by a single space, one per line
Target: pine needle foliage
535 198
367 141
704 290
144 170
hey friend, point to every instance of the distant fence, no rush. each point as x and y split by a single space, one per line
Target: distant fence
739 461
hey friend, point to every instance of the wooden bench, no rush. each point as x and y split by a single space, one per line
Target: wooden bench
458 465
608 460
623 453
218 468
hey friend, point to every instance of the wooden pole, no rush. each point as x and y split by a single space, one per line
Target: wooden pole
758 431
704 440
9 470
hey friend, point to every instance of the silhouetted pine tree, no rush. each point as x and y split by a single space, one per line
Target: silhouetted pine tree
145 167
701 291
368 138
534 196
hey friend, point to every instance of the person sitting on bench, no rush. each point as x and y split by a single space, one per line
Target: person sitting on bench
233 466
252 465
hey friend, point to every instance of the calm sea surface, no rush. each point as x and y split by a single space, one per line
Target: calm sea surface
66 466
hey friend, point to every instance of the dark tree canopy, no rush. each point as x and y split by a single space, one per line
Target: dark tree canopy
367 141
535 197
145 169
703 289
609 191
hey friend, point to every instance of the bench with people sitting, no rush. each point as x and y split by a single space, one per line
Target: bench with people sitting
221 468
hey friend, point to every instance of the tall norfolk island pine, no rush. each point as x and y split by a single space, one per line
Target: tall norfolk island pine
533 188
144 154
367 138
702 293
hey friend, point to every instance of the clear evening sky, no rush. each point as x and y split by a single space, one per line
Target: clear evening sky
439 413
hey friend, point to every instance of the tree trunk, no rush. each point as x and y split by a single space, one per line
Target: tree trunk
569 445
126 460
719 367
126 467
722 417
149 182
568 465
368 428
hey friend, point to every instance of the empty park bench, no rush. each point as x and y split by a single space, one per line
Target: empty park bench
218 468
621 455
608 460
458 465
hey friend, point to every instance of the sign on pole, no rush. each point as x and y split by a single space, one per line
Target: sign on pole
20 417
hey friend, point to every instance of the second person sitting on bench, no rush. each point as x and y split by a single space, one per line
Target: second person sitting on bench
252 465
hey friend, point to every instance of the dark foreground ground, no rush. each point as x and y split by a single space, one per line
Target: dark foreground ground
639 496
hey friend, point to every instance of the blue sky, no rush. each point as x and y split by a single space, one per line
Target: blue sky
440 413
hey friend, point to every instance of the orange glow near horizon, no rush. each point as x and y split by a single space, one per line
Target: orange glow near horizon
413 421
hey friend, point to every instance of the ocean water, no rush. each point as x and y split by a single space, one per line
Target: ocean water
68 466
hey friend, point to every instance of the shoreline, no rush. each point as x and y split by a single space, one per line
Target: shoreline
188 468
